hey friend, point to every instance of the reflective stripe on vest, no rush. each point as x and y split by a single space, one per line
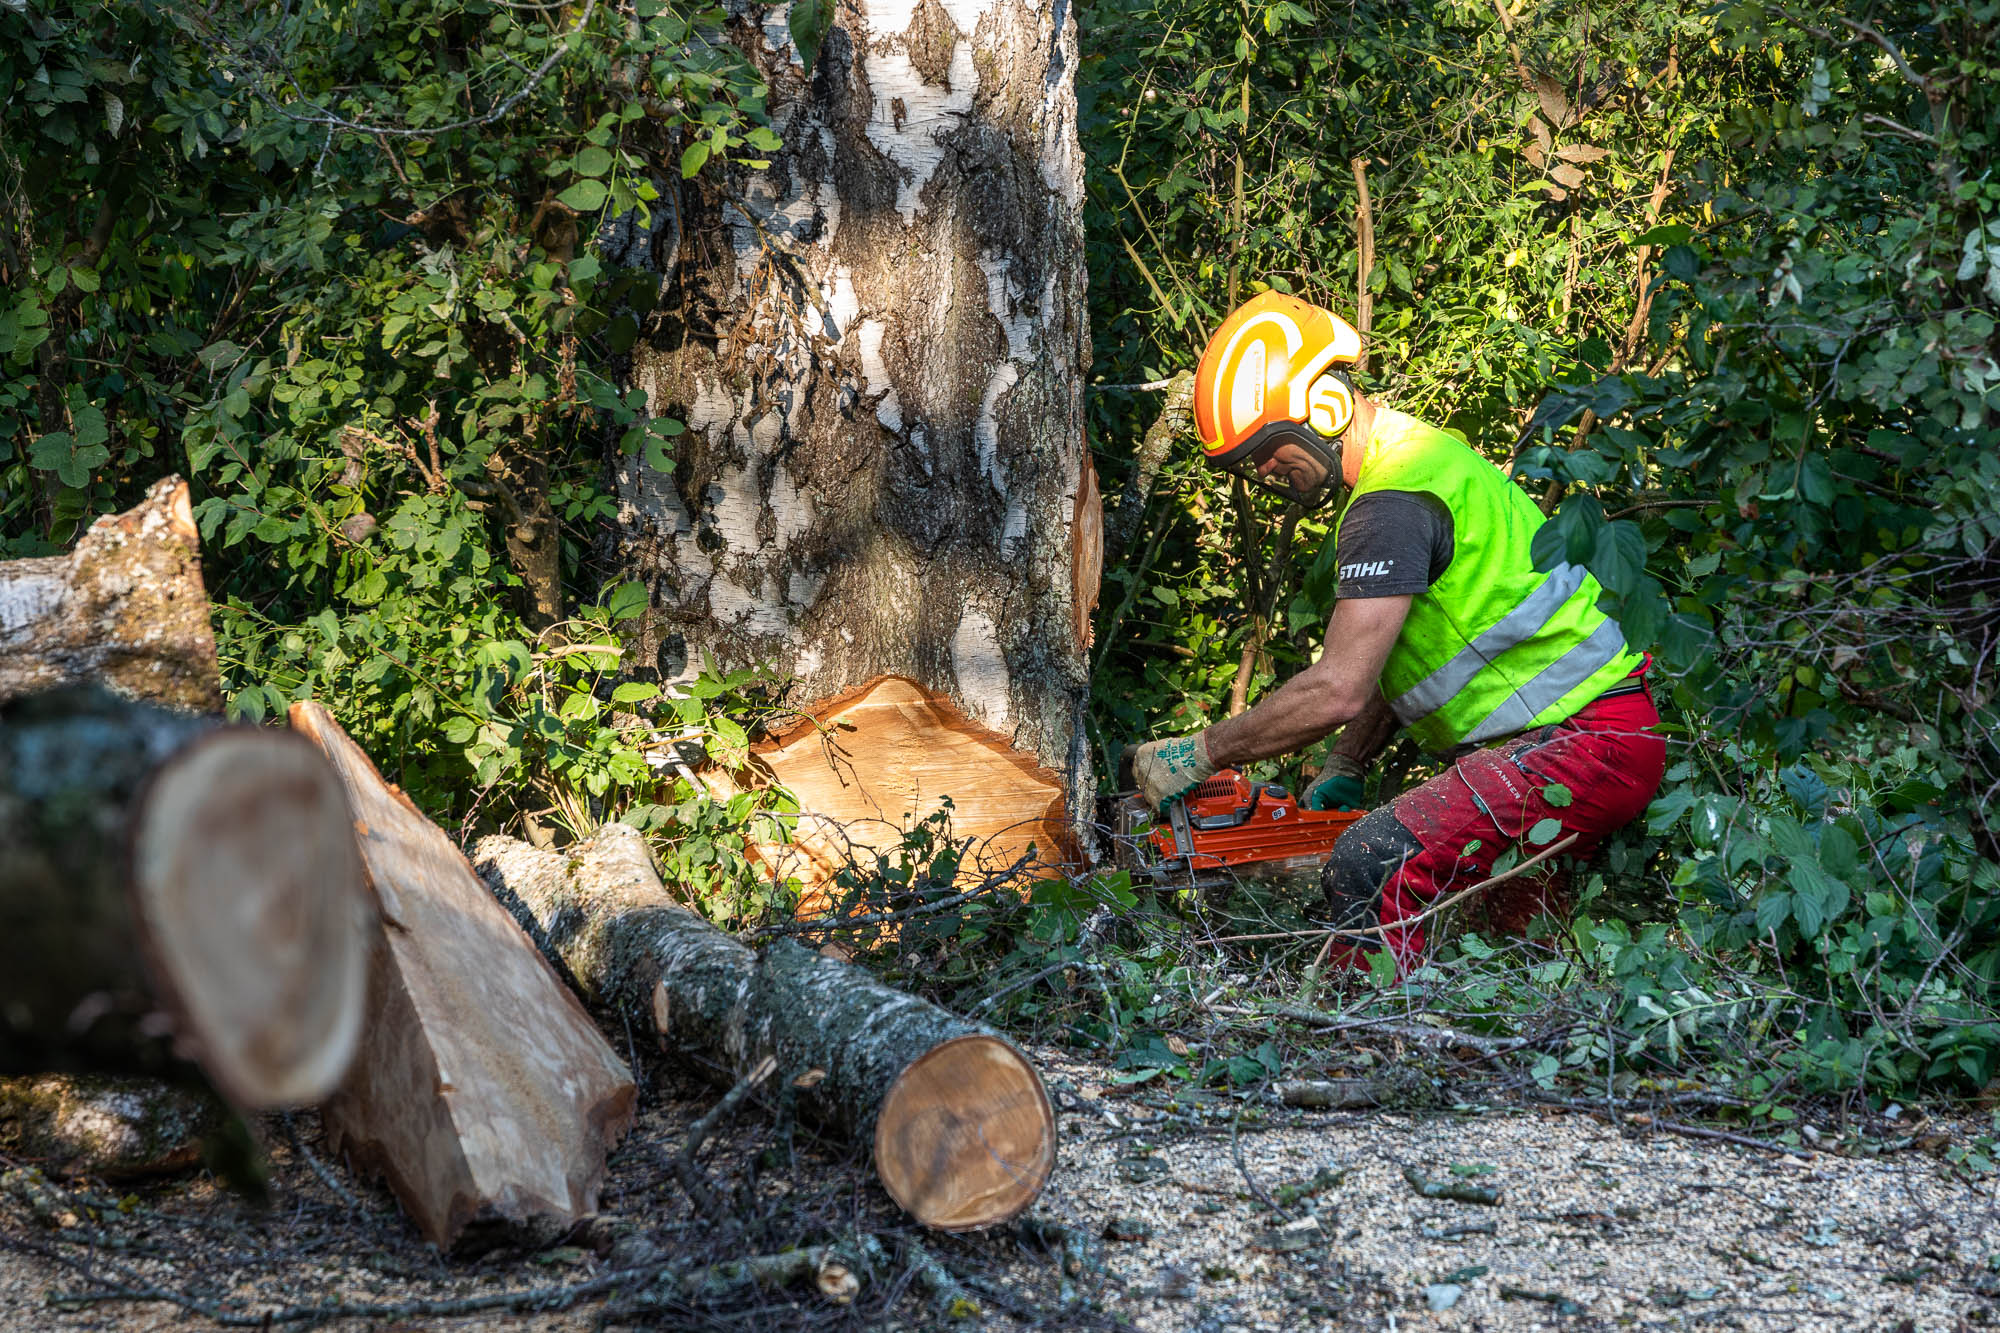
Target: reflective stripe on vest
1570 670
1437 689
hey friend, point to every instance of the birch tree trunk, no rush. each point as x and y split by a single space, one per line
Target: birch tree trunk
877 345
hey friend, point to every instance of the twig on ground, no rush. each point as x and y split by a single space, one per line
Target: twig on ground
692 1179
326 1177
1236 1152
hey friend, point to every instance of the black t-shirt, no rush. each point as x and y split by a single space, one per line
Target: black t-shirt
1392 544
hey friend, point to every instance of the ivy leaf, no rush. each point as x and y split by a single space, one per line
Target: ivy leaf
809 21
586 196
1544 832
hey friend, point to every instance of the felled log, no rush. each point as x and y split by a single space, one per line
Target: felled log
126 608
482 1090
172 888
962 1130
869 764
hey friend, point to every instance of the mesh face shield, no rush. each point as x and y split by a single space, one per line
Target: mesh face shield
1308 466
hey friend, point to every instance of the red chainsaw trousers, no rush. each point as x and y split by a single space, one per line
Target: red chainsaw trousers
1446 834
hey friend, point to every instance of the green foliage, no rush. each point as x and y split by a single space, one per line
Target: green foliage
332 262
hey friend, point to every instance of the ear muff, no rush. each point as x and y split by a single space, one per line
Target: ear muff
1331 403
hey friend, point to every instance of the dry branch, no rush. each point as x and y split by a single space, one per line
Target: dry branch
962 1130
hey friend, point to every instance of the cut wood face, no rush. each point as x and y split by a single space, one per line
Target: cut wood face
876 761
966 1137
243 853
482 1088
1087 532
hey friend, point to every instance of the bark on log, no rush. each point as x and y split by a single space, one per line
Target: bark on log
963 1133
173 888
869 764
126 608
482 1091
877 346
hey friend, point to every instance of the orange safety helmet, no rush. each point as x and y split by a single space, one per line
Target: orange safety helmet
1272 376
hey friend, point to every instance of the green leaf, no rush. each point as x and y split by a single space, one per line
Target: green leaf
1772 910
591 161
696 156
809 21
1544 832
1620 556
626 600
586 196
1667 233
634 691
1557 795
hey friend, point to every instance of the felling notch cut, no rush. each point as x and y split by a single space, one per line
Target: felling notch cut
870 763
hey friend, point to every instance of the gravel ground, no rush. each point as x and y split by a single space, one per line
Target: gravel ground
1593 1228
1162 1199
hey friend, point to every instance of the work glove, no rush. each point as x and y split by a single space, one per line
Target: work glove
1170 768
1338 786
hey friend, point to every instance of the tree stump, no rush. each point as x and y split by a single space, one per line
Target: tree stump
126 608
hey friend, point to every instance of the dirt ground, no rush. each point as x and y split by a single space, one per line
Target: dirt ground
1169 1211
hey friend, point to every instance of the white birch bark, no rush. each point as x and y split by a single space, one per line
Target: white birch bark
878 348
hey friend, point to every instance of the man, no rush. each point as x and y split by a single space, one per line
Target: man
1442 626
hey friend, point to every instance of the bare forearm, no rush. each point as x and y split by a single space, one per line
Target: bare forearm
1304 709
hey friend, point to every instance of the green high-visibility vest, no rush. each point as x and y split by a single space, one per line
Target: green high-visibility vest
1494 647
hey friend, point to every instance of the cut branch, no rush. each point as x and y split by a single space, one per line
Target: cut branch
175 889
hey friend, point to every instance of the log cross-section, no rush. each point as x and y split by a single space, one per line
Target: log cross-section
482 1091
172 888
961 1127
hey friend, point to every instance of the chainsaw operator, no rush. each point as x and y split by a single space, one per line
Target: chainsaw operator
1443 626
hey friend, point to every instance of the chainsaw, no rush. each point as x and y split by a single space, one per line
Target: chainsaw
1227 827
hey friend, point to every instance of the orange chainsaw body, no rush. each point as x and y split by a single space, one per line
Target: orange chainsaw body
1230 821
